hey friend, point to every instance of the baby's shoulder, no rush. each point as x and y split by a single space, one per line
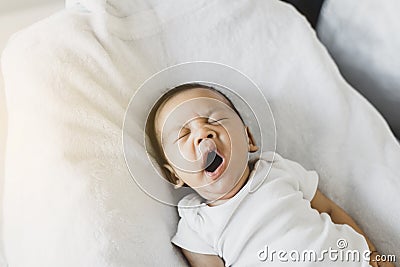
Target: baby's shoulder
190 200
270 156
276 160
267 159
188 206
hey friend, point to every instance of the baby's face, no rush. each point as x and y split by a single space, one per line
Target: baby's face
205 142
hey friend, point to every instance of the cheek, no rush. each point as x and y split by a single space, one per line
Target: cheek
183 157
168 150
172 154
239 147
236 135
185 149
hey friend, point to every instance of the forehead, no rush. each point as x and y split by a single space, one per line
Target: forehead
187 95
193 93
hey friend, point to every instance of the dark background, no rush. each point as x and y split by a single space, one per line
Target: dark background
309 8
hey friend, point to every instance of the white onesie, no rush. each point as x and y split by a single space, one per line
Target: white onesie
270 222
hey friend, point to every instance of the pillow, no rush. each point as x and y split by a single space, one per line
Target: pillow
69 197
3 132
364 41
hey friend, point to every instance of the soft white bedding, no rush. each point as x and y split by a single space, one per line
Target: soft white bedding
69 198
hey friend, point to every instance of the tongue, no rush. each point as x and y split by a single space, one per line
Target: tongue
213 161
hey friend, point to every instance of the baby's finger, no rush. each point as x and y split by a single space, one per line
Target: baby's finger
373 262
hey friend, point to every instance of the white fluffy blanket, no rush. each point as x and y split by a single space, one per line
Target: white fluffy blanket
69 198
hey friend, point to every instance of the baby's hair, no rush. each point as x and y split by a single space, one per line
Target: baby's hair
150 123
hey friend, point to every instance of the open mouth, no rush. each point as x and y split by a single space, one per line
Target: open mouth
214 161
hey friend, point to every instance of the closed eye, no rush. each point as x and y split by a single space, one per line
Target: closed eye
182 136
215 122
210 121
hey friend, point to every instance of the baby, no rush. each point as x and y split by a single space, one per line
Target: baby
243 215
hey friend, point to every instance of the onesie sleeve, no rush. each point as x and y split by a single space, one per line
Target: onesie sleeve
308 180
185 236
188 239
304 180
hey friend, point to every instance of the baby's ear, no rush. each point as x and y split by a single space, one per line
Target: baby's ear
172 177
251 141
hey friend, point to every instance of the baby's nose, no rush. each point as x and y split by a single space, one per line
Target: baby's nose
205 134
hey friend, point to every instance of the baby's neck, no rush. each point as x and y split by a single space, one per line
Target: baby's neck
243 180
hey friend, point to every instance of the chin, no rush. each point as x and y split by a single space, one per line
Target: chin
224 192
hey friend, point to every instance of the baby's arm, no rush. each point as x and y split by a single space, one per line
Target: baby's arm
323 204
196 259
